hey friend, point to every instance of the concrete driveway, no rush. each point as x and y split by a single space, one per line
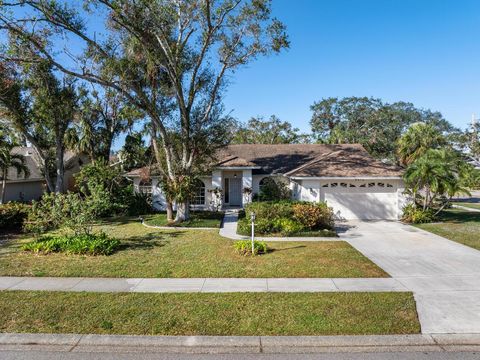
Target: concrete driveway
444 275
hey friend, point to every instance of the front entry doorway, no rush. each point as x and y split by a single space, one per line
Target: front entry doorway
233 191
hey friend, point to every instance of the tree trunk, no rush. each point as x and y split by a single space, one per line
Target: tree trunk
43 161
170 211
4 185
59 183
183 211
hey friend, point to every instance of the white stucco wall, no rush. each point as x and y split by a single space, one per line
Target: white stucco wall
158 197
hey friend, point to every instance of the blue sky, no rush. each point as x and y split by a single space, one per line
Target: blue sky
422 51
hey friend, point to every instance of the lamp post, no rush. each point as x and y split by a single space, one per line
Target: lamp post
252 218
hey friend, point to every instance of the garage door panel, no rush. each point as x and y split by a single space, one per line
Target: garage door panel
367 205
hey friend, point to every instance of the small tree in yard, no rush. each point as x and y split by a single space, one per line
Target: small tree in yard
9 160
168 58
435 178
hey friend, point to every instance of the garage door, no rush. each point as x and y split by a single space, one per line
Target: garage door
369 201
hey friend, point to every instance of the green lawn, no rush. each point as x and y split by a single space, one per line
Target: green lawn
208 219
468 205
208 314
190 253
458 225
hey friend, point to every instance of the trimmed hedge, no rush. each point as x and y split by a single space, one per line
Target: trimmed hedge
288 218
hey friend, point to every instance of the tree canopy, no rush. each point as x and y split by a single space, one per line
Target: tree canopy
375 124
169 59
271 131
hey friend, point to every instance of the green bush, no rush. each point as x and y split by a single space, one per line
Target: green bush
287 226
69 211
286 217
416 215
244 247
273 190
85 244
314 216
12 215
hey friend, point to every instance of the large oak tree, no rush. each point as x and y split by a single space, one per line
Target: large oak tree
169 58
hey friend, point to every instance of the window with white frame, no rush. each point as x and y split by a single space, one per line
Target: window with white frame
198 193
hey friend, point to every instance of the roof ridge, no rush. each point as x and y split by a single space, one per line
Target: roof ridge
313 161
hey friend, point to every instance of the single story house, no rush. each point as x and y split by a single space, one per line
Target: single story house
21 188
353 183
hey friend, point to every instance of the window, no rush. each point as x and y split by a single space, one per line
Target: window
371 185
344 185
380 184
389 185
333 184
325 185
145 187
352 185
363 185
198 193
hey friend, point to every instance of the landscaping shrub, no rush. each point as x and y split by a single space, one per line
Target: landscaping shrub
287 218
314 216
287 227
113 193
273 190
85 244
12 215
244 247
68 211
416 215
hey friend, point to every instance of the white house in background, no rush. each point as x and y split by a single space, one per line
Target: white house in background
21 188
353 183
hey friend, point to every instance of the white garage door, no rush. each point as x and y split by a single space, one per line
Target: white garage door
373 200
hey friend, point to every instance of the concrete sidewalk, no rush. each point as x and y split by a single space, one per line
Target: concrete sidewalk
239 344
204 285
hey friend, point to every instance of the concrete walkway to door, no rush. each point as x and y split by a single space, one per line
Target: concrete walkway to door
444 275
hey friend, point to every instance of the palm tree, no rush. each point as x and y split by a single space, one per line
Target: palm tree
417 140
9 160
438 173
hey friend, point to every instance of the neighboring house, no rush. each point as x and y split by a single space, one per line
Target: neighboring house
21 188
353 183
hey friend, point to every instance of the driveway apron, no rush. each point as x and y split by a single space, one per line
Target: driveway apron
443 275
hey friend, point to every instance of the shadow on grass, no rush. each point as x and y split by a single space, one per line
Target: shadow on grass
147 241
459 216
270 250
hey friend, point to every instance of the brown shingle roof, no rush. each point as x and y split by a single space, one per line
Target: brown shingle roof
301 160
346 163
322 160
32 162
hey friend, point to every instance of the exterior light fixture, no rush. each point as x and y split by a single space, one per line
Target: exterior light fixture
235 175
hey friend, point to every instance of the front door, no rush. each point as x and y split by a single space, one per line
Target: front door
235 192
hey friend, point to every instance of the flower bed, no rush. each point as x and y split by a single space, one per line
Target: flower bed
288 218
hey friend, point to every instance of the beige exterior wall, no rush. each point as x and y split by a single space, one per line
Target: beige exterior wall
24 190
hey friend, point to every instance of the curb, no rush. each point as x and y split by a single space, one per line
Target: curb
240 344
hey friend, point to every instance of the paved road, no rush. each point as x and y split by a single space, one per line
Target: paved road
444 275
27 355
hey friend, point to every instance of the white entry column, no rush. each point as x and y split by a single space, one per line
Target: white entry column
247 189
217 190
